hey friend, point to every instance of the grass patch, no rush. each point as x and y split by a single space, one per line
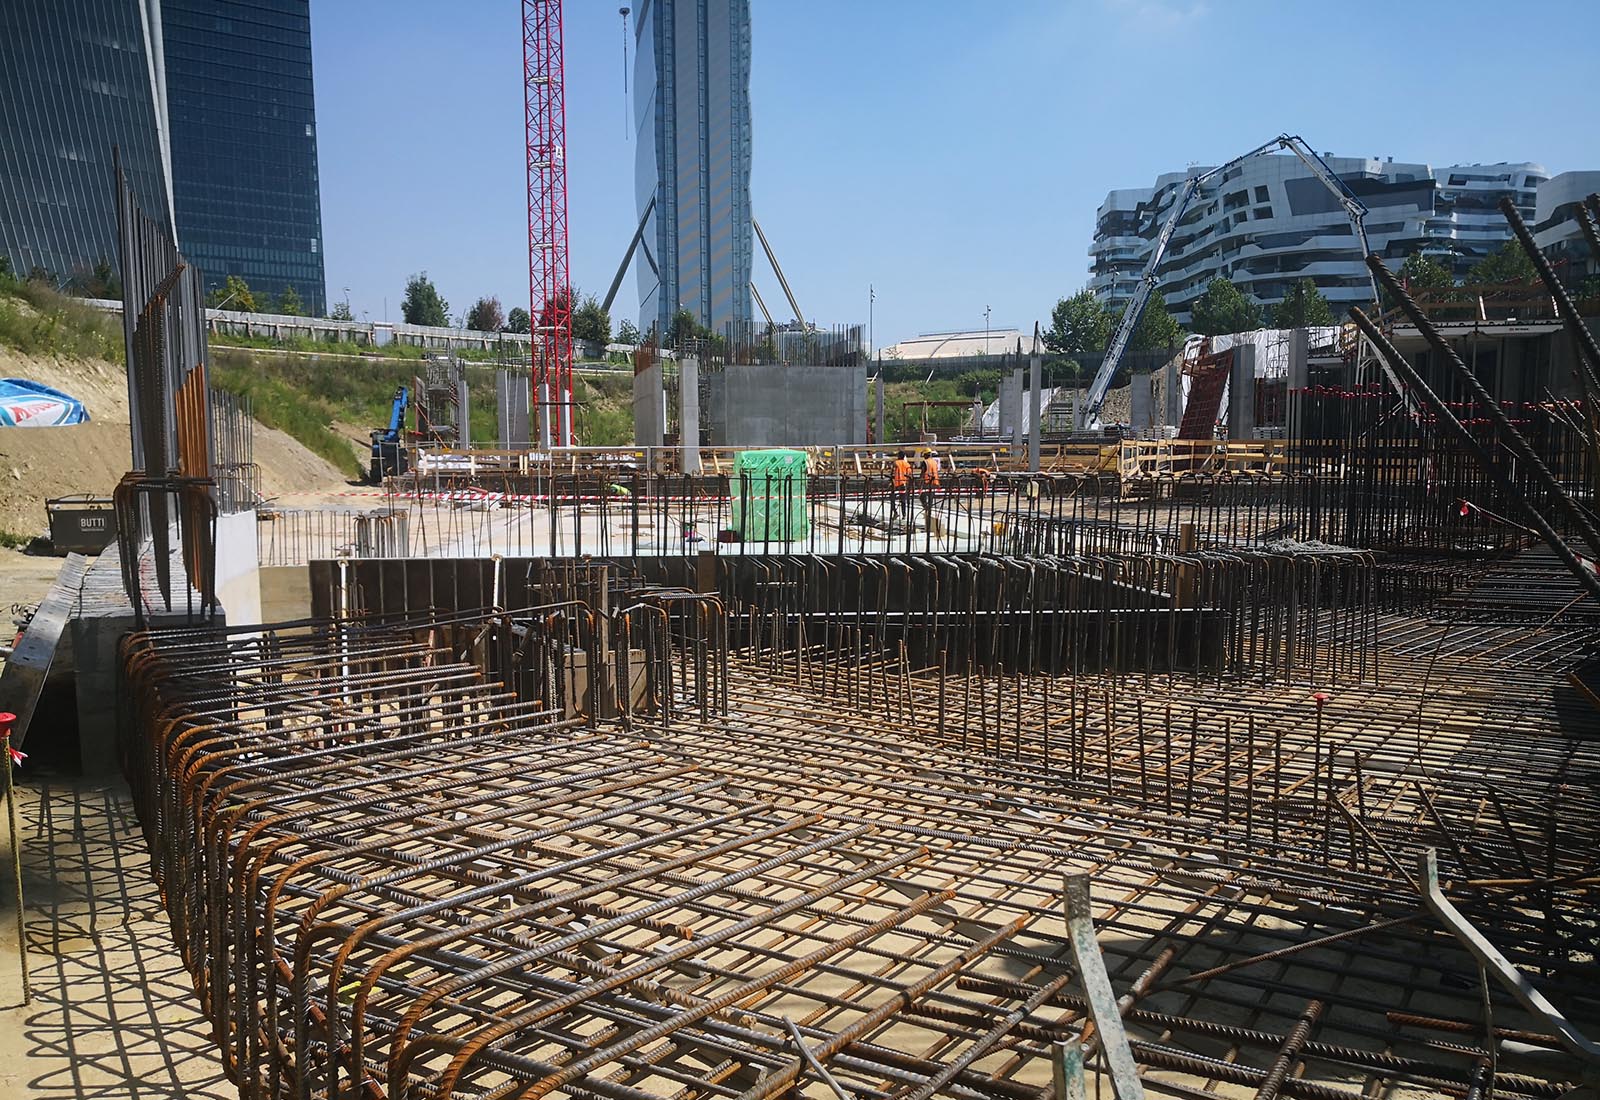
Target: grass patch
36 320
303 394
13 541
316 347
277 403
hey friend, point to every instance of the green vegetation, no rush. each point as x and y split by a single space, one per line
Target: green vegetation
1303 305
1082 325
1506 264
325 404
422 304
289 303
592 322
36 320
943 420
1223 309
1079 325
233 294
486 315
281 399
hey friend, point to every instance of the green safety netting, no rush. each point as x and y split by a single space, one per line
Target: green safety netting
769 496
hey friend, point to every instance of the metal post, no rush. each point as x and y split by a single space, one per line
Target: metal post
1035 411
1097 989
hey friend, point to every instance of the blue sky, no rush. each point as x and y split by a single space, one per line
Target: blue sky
951 153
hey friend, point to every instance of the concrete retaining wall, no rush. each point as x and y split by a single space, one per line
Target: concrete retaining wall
769 405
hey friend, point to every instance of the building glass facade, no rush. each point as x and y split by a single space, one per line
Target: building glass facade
76 81
692 168
244 144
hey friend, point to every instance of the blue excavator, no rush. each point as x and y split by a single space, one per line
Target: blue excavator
389 458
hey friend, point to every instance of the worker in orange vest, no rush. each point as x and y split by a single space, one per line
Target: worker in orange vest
930 484
899 485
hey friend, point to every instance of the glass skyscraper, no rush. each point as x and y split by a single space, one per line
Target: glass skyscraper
244 143
692 173
76 80
210 103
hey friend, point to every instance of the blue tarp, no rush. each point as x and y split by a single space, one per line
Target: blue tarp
25 404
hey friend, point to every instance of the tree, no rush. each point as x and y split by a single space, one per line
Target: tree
591 322
1222 309
627 333
682 329
1588 289
234 293
1421 272
1303 305
519 321
486 315
341 312
1079 325
422 304
1507 264
289 302
5 267
1156 330
563 302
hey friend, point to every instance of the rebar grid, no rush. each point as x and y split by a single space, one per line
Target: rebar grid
390 876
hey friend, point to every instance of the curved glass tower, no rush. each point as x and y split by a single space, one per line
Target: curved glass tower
692 172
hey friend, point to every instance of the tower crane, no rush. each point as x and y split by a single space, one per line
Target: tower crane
549 287
1353 207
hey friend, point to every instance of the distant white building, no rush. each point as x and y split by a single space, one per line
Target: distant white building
1555 222
959 345
1268 222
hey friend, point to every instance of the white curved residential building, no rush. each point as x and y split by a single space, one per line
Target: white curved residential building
1268 222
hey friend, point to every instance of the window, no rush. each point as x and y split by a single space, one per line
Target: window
1261 193
1261 213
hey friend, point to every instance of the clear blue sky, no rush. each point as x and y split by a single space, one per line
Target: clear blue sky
950 153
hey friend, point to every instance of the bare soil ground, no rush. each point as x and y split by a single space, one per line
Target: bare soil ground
40 463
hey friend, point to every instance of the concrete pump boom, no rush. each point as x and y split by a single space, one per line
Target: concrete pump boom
1353 206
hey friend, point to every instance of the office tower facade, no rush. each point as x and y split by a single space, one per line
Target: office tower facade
210 103
244 143
76 81
1268 222
692 168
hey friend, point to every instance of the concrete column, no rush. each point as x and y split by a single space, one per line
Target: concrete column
1139 401
1242 393
689 415
1011 411
463 411
882 434
649 427
1299 379
1035 412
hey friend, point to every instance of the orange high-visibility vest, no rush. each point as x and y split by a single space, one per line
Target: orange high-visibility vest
900 473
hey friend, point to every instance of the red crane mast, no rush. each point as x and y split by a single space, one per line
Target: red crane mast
549 288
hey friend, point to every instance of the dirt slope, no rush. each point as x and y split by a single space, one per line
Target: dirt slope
38 463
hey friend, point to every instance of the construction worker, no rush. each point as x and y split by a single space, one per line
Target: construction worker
900 486
930 485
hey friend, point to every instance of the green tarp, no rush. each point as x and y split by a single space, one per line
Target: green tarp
769 496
